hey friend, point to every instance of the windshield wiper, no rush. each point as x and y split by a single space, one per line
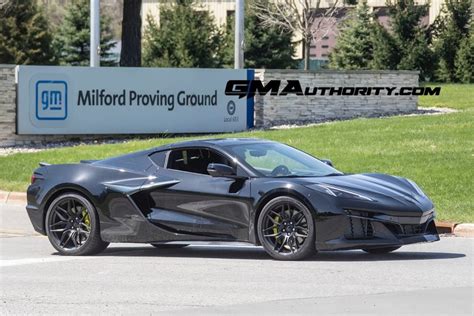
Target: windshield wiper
333 174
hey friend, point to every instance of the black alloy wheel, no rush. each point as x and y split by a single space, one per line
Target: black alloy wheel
72 226
286 229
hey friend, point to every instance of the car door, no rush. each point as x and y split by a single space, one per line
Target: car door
199 204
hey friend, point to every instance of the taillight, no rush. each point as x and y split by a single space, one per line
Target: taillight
33 178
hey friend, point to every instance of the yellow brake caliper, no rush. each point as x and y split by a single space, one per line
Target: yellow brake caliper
275 228
86 218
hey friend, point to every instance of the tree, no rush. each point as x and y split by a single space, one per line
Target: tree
354 47
410 37
185 37
265 46
131 54
417 55
405 18
364 43
306 19
24 34
452 29
73 40
464 61
384 49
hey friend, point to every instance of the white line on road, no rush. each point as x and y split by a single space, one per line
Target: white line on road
19 262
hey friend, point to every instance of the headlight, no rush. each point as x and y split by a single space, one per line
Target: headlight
416 187
342 193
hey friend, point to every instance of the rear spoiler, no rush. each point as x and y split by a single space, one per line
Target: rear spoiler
44 164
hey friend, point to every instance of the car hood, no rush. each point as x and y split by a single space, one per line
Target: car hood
387 192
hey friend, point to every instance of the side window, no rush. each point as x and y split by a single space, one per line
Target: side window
194 160
159 158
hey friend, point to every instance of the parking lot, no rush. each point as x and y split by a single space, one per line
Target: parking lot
434 279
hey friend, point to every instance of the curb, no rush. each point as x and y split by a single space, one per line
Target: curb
464 230
445 227
16 198
3 197
459 230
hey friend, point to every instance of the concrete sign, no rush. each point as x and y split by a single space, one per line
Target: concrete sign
83 100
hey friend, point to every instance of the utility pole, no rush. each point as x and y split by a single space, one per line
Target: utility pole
239 35
95 33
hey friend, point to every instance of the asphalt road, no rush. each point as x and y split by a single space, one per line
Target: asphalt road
424 279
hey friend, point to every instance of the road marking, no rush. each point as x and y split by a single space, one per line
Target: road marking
18 233
19 262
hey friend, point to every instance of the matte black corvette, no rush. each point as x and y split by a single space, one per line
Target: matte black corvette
249 190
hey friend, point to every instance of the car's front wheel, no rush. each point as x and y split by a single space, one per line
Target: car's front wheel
72 226
286 229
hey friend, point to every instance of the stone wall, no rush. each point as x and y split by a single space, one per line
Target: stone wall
8 136
276 110
269 110
7 105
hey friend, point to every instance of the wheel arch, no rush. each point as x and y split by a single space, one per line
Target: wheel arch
270 196
60 190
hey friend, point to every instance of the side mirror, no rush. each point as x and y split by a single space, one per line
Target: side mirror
220 170
327 162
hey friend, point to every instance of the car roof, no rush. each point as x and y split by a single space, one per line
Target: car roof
213 142
210 142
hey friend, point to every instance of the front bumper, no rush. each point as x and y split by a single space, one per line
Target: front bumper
359 229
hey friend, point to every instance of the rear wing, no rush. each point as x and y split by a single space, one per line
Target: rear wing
44 164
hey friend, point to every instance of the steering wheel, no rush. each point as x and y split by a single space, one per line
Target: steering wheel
280 170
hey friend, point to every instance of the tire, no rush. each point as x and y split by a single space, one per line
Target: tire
286 229
72 226
169 246
380 250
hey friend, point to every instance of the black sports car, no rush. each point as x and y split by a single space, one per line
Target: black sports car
249 190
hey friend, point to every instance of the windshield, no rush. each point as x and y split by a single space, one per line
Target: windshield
279 160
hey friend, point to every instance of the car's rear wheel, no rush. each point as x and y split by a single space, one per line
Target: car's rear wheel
380 250
286 229
169 246
72 226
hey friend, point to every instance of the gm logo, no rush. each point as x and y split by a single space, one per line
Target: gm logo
51 100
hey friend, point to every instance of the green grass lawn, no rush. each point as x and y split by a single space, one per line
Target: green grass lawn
457 96
435 151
